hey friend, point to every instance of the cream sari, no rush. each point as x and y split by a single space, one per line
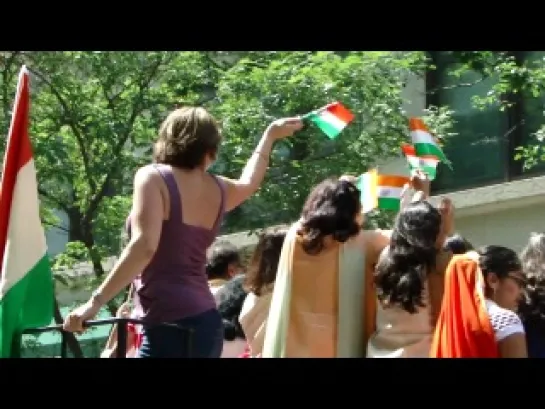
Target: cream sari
317 306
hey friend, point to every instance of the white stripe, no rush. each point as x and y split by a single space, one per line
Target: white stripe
26 238
419 136
332 120
389 191
369 202
415 161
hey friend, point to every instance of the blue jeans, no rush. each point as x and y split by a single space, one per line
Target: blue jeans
206 341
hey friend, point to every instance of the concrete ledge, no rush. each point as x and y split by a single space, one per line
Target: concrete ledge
492 198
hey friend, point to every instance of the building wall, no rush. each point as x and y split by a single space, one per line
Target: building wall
510 227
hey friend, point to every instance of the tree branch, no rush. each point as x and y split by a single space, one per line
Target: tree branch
70 121
454 86
61 205
56 226
6 78
99 195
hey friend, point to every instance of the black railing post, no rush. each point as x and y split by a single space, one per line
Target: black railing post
64 344
121 338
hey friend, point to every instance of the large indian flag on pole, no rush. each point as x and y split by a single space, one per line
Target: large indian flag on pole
331 119
381 191
26 284
425 144
427 164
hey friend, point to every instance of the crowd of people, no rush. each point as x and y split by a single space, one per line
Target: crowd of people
321 287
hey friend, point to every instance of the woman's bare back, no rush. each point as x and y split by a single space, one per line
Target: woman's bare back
200 195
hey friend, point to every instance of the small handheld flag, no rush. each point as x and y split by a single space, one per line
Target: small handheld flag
389 191
425 144
380 191
427 164
331 119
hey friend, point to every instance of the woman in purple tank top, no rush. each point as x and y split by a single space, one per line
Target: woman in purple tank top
176 213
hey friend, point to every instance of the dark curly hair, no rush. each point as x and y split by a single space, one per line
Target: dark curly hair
457 244
220 256
264 262
532 308
402 271
186 136
230 299
330 210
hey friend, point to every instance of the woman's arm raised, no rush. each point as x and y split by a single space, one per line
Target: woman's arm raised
248 183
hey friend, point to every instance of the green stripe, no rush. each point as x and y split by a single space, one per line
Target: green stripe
325 126
29 303
389 203
423 149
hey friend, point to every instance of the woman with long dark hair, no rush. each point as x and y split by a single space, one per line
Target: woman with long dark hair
319 298
478 318
532 307
176 214
409 281
259 283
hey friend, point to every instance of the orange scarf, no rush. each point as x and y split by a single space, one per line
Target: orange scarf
463 329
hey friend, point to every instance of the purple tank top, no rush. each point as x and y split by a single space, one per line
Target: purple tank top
174 284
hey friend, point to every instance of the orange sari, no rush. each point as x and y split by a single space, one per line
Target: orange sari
463 329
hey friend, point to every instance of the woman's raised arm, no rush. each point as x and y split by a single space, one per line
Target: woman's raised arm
238 191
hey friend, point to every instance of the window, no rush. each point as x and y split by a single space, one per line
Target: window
478 151
532 114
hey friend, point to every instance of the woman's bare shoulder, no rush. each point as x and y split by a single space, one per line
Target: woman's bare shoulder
147 173
372 242
376 239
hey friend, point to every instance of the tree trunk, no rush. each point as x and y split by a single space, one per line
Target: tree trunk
71 339
83 233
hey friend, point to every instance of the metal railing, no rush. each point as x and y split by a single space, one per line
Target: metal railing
121 333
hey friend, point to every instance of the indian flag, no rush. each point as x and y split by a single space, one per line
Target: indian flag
26 283
331 119
389 191
428 164
425 144
380 191
367 184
